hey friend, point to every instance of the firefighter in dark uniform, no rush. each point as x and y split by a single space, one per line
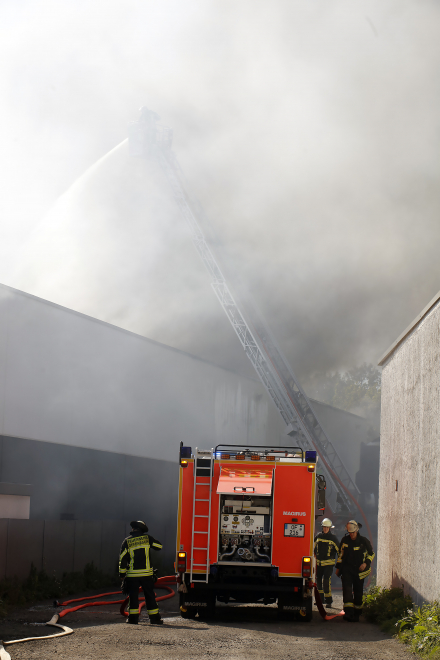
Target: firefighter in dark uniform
136 569
353 566
326 550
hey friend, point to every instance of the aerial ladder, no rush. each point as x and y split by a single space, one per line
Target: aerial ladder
147 139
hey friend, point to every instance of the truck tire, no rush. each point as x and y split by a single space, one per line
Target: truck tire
307 614
187 612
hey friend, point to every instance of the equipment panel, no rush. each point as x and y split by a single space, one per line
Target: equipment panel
240 523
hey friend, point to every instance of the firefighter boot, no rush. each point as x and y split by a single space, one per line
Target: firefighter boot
156 620
133 618
356 614
329 601
349 614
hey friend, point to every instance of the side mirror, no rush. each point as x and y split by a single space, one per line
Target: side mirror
184 455
322 485
320 500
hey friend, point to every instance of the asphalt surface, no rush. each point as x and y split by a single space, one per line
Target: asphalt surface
239 632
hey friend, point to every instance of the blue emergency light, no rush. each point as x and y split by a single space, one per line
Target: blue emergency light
310 456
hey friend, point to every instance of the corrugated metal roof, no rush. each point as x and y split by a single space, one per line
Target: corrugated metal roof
409 329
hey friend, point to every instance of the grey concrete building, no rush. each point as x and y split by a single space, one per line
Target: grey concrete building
91 417
409 541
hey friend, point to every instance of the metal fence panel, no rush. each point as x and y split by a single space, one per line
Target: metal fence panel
25 547
59 545
113 533
87 543
3 546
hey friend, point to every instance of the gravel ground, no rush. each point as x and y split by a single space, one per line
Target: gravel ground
238 633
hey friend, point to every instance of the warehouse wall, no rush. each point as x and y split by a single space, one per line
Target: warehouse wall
347 433
91 416
71 379
87 484
69 484
409 542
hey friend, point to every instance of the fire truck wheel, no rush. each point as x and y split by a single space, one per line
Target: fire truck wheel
188 612
307 614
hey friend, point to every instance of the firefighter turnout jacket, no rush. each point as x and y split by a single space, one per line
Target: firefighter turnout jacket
134 558
326 549
353 554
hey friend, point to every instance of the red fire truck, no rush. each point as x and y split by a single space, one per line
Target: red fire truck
245 529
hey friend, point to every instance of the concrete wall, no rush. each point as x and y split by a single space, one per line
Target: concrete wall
63 546
409 541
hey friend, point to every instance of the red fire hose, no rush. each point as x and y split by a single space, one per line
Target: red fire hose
162 583
321 608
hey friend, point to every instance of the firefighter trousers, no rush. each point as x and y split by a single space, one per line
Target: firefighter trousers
147 584
324 582
352 593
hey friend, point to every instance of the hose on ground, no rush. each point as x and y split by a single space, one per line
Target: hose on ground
321 608
162 583
4 655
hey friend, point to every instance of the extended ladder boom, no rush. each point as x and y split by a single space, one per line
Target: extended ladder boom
260 347
303 407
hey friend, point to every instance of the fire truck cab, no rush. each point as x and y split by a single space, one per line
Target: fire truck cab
245 529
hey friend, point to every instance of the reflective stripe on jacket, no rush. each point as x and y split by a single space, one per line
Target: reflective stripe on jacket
134 558
353 554
326 549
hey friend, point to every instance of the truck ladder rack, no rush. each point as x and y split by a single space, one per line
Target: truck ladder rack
200 465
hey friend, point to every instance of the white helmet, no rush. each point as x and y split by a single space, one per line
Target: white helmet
352 526
327 523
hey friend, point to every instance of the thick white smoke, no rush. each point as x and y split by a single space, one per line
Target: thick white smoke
308 131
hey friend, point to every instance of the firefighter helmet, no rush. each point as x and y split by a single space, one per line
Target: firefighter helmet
352 526
327 523
139 524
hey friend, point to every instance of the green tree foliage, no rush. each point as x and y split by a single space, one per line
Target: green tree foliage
356 390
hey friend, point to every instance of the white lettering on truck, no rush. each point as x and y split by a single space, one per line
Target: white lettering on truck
294 513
